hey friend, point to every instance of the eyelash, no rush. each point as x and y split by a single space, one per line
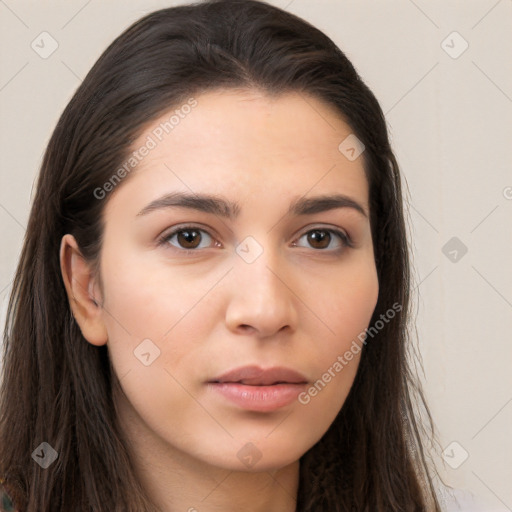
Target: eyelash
344 238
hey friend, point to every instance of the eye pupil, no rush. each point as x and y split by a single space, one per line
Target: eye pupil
319 236
186 236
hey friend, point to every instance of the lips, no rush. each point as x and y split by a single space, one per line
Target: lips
257 376
252 388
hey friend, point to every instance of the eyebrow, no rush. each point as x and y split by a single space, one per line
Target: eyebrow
222 207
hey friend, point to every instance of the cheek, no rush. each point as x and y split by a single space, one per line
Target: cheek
353 304
156 323
346 302
144 302
154 347
346 306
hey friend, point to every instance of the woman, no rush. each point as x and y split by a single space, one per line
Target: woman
210 309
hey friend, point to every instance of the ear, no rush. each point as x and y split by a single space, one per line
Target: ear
83 292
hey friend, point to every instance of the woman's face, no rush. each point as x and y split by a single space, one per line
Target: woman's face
260 279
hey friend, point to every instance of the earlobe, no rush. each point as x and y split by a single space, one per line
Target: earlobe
82 291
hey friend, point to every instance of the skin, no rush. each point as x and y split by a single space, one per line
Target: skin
299 306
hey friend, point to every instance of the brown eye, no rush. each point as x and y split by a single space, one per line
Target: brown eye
188 238
325 240
319 239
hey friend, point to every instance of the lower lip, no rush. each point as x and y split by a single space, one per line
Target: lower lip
259 398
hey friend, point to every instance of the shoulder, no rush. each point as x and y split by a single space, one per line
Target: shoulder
457 500
6 504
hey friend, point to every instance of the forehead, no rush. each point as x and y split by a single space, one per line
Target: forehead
245 142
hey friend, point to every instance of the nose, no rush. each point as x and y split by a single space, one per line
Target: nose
262 300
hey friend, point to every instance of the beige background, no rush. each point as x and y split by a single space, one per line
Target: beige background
450 122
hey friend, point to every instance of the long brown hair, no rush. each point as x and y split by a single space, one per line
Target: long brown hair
57 387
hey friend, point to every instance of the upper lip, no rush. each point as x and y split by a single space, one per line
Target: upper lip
257 376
